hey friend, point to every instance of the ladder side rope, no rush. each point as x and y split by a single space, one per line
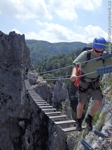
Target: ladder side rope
47 109
103 70
50 78
104 56
56 69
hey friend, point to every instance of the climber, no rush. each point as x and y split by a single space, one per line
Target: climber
89 85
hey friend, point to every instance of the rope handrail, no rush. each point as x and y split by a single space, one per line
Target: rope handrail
104 56
102 70
56 69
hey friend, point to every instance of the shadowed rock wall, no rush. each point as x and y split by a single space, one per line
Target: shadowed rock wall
19 116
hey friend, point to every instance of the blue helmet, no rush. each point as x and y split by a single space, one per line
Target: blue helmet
97 41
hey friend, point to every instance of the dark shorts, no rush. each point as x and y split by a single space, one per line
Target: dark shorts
87 89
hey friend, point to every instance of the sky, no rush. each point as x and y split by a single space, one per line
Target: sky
55 20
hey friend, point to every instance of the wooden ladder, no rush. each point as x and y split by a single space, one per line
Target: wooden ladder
51 112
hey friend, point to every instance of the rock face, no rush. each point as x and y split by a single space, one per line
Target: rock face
60 92
43 90
60 98
20 118
12 51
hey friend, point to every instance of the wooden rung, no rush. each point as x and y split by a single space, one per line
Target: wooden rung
41 104
58 117
53 113
72 129
53 109
69 129
35 97
45 107
64 122
39 99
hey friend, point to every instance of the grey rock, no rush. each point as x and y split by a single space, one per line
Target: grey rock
19 115
43 90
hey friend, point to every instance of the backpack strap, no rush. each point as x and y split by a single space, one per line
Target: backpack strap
86 48
88 56
103 60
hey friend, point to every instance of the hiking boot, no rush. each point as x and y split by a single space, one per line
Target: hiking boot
88 120
79 125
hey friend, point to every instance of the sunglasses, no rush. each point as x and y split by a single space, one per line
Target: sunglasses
98 51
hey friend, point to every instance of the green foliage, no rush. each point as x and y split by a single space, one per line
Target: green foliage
85 133
95 118
81 135
56 62
110 84
41 50
102 120
85 108
59 106
74 115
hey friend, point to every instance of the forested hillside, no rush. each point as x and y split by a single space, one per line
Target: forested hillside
56 62
42 50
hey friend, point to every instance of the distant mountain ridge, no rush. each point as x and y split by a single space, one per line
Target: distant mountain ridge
42 50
